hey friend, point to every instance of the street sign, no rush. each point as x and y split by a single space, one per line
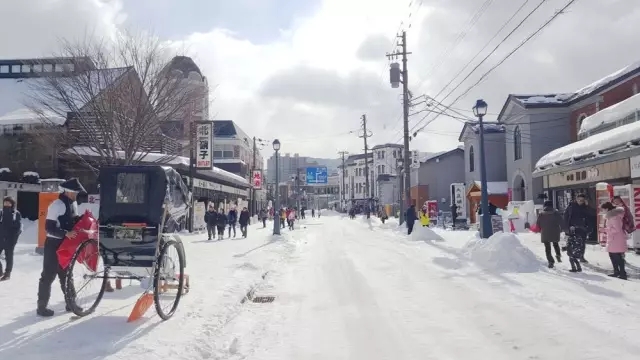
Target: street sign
204 145
317 175
257 179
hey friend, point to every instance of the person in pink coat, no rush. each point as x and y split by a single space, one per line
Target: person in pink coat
616 239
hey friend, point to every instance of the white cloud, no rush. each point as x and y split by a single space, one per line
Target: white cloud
309 87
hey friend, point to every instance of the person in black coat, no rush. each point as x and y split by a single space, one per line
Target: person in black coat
244 221
221 223
210 218
551 224
578 218
411 218
62 215
10 230
232 216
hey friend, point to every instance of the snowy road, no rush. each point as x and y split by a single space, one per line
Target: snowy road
344 289
356 292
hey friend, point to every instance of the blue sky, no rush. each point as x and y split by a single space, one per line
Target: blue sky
258 21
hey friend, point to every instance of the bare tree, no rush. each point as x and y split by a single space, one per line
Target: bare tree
115 95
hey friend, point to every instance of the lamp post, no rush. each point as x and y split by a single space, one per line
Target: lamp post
276 206
480 110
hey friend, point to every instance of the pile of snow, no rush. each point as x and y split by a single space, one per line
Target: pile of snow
422 233
30 173
4 170
502 252
29 232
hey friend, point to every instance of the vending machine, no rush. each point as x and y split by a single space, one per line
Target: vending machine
604 193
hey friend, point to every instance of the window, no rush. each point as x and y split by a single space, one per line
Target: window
517 144
4 69
382 154
37 67
59 68
382 169
472 160
15 69
395 155
26 68
48 67
131 188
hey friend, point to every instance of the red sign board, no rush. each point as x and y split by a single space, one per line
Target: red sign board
257 179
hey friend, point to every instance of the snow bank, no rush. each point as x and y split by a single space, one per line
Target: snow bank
611 115
421 233
502 252
29 232
4 169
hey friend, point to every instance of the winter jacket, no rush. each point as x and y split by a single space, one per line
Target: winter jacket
550 225
283 214
424 218
291 215
263 214
616 236
221 220
232 217
10 225
244 218
211 218
411 215
580 217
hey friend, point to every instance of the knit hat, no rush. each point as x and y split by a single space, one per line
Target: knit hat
72 185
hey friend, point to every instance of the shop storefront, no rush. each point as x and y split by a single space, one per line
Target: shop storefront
562 186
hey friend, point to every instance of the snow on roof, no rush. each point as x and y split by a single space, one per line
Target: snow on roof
30 173
166 159
611 114
489 128
495 187
4 169
592 145
15 96
605 80
544 99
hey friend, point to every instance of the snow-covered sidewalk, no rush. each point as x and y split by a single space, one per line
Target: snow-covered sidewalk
221 273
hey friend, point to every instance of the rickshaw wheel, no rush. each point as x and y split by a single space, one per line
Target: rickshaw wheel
158 283
70 295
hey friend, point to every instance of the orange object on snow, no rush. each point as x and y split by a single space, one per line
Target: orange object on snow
86 229
142 305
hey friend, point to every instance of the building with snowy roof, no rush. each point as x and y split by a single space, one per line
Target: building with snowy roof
540 127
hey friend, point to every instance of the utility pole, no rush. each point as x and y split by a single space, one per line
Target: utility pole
405 105
344 176
366 134
253 188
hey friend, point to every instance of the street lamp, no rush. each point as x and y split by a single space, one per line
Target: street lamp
276 206
480 110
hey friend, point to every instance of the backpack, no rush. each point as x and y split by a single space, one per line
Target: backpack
627 221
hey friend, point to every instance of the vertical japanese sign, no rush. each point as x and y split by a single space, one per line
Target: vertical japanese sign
458 197
257 179
204 145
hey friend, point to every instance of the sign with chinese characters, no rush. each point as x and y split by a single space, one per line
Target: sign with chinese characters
256 179
617 169
204 145
459 198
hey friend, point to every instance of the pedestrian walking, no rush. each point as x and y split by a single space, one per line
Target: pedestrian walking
211 219
424 217
263 217
616 239
578 218
232 217
10 230
411 218
291 216
244 220
61 217
550 224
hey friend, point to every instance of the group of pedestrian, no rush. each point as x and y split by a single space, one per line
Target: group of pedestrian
578 223
217 221
411 216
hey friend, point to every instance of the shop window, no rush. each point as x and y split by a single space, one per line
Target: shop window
517 144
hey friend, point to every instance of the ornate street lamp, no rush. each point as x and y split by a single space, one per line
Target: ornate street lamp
480 110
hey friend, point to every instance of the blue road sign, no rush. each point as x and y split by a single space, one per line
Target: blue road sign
316 175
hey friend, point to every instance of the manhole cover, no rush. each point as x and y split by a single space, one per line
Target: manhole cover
263 299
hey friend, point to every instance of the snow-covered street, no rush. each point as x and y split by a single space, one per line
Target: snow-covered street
347 289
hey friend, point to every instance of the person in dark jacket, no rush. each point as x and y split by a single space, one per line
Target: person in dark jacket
221 223
244 221
411 218
551 224
62 215
233 220
454 215
211 218
263 216
10 230
578 218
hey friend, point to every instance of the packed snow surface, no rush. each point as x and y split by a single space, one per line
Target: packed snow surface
421 233
502 252
346 289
